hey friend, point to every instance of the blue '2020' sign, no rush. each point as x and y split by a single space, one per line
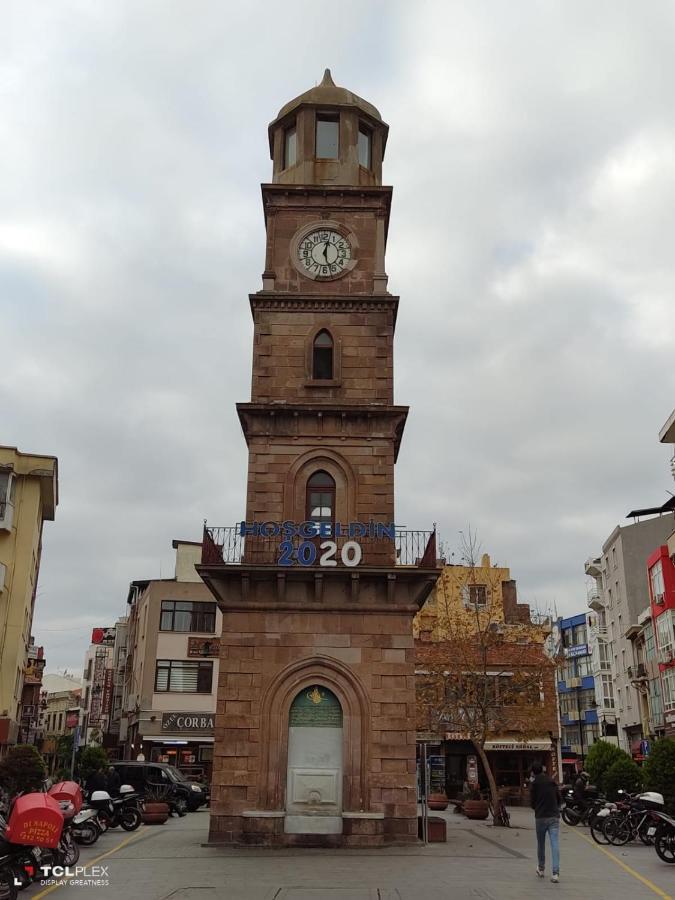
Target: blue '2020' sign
307 553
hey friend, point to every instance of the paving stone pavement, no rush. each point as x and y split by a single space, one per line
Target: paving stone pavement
478 862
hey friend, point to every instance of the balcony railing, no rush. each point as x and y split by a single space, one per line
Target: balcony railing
408 548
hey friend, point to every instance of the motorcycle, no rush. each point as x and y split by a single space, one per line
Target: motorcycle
574 812
664 837
8 889
124 811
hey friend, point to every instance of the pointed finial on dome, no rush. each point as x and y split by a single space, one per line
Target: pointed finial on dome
327 80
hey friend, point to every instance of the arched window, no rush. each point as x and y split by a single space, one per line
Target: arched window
322 357
320 506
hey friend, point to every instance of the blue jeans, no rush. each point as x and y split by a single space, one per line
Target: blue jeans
552 826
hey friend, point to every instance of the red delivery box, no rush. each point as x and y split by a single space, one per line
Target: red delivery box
35 820
67 790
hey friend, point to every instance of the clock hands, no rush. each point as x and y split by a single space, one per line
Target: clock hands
325 250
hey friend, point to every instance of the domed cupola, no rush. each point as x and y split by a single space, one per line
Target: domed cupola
328 135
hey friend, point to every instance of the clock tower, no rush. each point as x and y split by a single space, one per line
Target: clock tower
318 586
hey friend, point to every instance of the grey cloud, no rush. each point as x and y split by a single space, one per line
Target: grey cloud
531 152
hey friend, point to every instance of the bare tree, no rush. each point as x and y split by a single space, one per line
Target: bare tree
480 675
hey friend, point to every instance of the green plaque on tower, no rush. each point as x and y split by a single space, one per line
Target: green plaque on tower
315 707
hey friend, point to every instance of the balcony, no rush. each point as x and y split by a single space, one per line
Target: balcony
386 569
595 599
593 566
226 545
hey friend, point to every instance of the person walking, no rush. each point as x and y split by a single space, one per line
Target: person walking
545 801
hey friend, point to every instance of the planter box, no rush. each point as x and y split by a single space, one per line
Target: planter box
436 829
155 813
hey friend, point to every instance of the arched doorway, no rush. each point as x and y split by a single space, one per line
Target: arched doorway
314 772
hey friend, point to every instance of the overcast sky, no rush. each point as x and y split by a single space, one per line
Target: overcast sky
532 153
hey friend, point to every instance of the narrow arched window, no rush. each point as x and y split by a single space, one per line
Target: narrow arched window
322 357
320 505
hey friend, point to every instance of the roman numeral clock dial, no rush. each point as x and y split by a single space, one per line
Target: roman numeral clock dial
323 254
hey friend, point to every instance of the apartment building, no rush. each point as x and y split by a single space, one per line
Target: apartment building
97 688
28 498
576 691
172 666
618 595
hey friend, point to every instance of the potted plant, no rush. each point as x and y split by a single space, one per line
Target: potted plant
475 807
437 801
156 804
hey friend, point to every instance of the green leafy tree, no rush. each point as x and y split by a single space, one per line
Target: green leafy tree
659 771
623 774
64 749
91 759
22 769
601 756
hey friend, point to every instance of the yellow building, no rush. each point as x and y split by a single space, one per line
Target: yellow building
467 599
28 497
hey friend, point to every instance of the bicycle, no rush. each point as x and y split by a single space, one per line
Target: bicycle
501 816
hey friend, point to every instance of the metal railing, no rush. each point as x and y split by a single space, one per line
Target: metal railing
225 545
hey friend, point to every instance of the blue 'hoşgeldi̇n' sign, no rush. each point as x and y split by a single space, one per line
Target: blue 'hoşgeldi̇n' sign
306 552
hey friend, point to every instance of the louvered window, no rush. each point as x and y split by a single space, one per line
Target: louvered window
184 676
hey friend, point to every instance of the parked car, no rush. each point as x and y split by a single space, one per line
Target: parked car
188 795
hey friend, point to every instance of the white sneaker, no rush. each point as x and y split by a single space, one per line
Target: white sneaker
555 878
540 872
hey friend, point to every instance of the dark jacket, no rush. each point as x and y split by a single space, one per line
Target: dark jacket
545 797
114 783
579 789
96 782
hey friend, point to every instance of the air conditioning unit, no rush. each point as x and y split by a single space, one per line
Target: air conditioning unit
6 515
659 599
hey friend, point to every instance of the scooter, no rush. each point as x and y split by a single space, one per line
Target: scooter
82 825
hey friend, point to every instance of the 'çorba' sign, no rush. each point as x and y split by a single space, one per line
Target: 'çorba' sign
309 552
179 721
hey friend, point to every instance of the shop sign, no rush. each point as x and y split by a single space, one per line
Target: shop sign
579 650
72 718
104 636
306 553
203 647
472 769
456 736
107 692
517 745
192 722
32 674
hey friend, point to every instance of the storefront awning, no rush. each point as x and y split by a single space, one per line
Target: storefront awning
510 744
188 738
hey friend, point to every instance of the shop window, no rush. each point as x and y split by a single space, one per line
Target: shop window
183 676
320 506
365 146
290 146
327 137
184 615
322 357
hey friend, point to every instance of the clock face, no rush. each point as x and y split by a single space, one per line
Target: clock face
324 253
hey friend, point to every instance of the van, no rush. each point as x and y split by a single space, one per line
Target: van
187 795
